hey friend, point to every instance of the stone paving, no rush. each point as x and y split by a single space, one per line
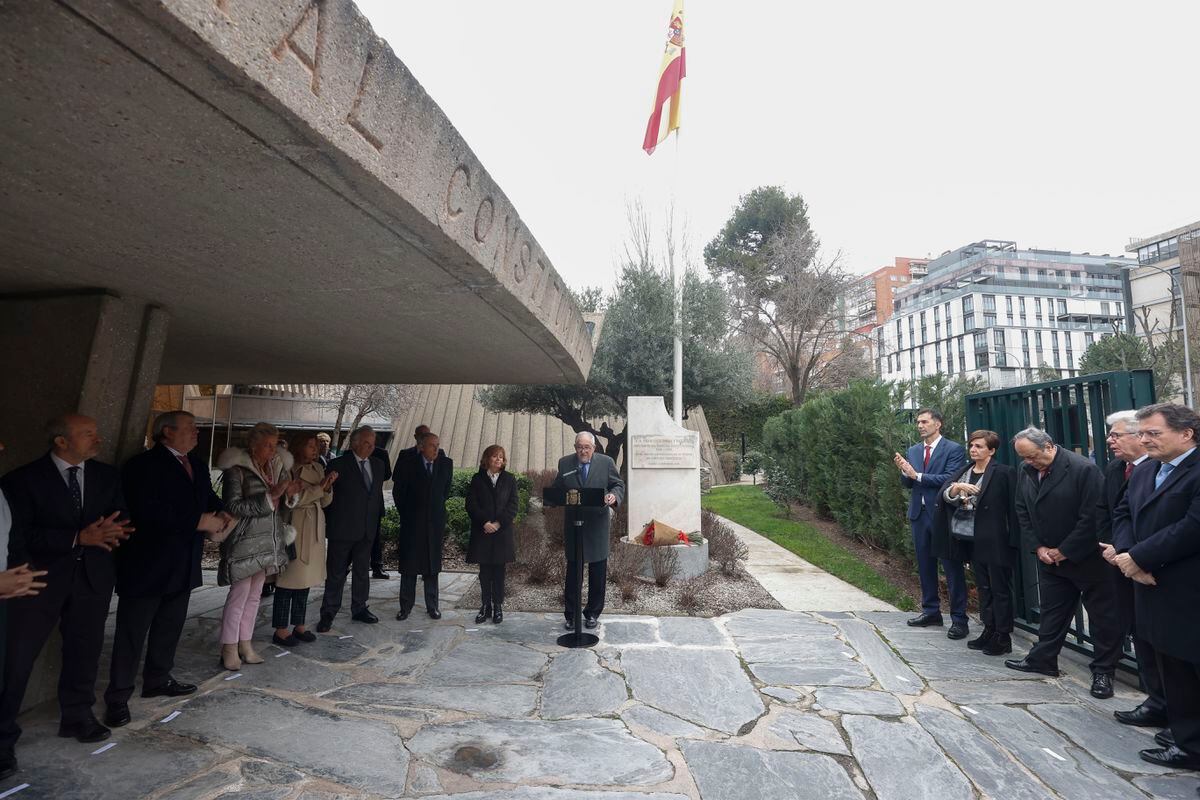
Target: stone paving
758 704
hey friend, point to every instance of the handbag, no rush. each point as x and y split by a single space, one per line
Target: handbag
962 524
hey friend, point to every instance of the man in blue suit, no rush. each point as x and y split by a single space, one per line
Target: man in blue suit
929 465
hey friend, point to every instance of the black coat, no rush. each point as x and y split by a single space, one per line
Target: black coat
354 514
45 525
421 502
487 503
997 534
1160 529
163 555
382 455
1064 511
1114 490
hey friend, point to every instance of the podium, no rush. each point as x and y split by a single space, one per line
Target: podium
573 501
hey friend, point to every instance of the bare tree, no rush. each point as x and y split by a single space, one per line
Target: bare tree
359 400
1166 350
789 308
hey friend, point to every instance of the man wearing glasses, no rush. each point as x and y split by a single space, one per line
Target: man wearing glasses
1156 533
1128 453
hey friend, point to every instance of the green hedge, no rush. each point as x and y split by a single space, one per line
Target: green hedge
834 454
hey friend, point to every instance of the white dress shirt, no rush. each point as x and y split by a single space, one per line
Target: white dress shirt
932 446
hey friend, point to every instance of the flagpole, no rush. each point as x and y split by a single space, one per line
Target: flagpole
677 297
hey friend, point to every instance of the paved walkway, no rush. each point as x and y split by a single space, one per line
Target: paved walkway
797 584
762 704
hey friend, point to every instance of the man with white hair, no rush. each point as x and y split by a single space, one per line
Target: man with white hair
1060 507
1128 452
588 469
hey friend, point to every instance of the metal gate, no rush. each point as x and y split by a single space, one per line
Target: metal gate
1073 412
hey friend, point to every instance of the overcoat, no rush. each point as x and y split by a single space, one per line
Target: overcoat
602 474
488 503
997 533
257 541
307 569
421 502
1065 510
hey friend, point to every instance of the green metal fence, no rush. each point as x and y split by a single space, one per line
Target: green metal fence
1073 412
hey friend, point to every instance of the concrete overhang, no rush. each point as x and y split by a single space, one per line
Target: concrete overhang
274 177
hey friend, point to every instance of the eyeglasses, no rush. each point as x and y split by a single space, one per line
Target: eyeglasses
1115 435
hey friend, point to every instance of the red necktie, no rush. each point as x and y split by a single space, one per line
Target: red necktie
1128 470
1042 473
187 467
928 450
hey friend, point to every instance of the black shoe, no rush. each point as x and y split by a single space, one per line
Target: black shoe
1171 757
324 624
8 764
958 630
303 636
365 616
116 716
433 613
999 644
172 688
926 621
268 590
980 641
403 613
484 613
86 731
498 615
1102 685
284 641
1025 665
1165 738
1142 717
569 625
590 622
379 575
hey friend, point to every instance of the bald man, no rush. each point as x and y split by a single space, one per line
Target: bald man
68 515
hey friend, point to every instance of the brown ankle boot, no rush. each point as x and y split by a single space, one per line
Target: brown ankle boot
229 657
246 651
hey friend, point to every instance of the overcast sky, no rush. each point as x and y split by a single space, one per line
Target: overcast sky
909 128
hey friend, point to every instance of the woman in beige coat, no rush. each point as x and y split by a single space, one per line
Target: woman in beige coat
307 567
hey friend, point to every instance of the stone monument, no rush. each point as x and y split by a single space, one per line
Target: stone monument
664 479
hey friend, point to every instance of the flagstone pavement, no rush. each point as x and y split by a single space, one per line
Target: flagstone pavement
757 704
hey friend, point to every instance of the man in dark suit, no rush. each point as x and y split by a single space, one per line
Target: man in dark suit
1156 532
588 469
1060 508
172 504
411 452
323 453
68 516
928 466
351 522
377 571
420 487
1128 452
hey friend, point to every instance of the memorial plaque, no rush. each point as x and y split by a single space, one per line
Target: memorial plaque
665 452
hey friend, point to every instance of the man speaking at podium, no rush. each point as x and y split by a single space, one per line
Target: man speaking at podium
589 469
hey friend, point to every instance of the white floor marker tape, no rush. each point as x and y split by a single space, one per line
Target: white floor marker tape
347 636
170 716
234 675
104 748
1052 753
969 710
14 790
901 677
284 653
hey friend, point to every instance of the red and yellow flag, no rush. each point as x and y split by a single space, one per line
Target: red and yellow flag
670 84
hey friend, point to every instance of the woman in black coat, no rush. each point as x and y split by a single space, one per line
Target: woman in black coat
492 502
989 489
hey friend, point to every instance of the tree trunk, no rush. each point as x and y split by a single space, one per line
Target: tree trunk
358 418
337 426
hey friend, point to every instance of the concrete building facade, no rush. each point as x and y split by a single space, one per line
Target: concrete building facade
870 299
991 310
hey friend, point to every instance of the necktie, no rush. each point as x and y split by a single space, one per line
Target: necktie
76 492
1128 469
585 471
187 466
429 468
928 450
1163 472
1042 473
366 473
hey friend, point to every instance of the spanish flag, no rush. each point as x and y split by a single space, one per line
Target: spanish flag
670 83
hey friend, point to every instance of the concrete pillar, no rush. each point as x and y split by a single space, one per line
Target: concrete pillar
90 351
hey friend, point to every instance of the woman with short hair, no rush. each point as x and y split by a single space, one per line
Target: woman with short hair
977 523
257 489
492 502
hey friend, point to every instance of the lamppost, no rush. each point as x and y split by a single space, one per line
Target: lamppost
1177 288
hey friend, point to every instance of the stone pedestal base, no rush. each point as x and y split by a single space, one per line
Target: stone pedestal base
691 559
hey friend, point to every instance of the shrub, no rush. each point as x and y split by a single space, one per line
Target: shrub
460 481
458 524
663 561
725 548
625 563
689 595
754 462
539 480
729 465
389 526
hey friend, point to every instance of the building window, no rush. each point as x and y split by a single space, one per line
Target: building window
989 320
981 360
968 322
1104 307
1021 302
968 304
1008 309
937 330
962 363
989 302
937 313
1062 308
924 337
1089 338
